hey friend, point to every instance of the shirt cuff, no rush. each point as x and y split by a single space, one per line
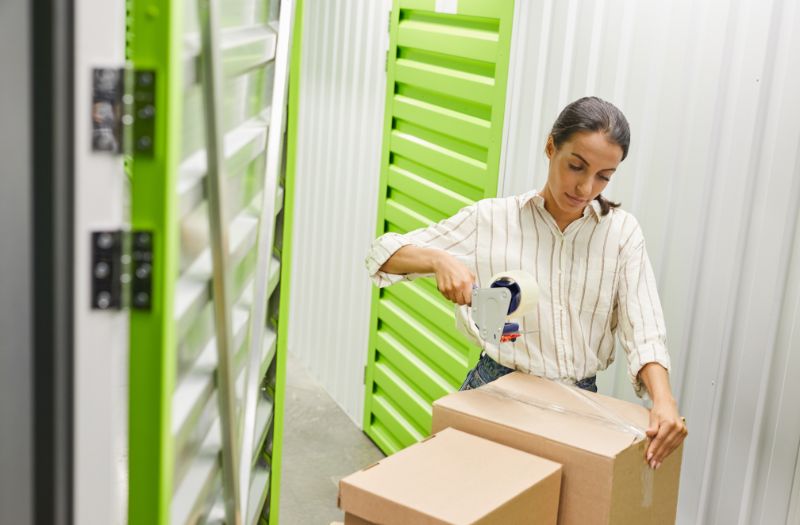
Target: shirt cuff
650 353
381 250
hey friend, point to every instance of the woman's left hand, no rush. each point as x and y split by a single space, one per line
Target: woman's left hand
667 431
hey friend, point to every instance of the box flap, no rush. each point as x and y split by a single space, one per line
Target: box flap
592 422
453 478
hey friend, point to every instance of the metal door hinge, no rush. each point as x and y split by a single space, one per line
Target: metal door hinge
141 270
144 112
123 119
122 267
108 87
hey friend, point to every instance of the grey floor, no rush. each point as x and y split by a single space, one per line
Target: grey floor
321 445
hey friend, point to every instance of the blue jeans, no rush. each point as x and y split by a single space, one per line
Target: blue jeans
487 370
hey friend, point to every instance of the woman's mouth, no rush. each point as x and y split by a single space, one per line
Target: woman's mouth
575 201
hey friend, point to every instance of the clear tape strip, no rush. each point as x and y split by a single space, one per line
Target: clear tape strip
611 416
604 415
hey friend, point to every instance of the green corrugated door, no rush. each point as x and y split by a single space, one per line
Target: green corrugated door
176 430
446 89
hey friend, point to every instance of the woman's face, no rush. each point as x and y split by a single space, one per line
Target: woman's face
579 171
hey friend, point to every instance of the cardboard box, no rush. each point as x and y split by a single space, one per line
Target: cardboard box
453 478
605 478
352 519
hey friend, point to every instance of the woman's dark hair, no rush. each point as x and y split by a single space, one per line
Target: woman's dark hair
593 114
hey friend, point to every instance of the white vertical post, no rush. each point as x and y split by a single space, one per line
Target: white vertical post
100 337
266 228
215 180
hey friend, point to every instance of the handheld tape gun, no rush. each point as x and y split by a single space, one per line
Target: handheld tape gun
495 309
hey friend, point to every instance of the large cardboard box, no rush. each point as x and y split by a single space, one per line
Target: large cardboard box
596 438
453 478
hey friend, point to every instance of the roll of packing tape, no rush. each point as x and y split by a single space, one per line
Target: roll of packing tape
529 290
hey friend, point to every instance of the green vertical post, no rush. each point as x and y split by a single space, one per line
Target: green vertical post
154 43
286 262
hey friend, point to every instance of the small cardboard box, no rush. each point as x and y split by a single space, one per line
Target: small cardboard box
453 478
596 438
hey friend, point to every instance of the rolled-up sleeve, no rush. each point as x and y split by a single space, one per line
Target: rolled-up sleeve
455 235
642 330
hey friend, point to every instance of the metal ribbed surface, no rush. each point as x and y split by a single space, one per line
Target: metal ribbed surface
249 36
444 120
338 168
713 176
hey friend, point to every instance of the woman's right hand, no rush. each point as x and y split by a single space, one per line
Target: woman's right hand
453 279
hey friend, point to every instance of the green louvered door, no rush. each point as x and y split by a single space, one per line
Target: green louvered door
447 68
207 359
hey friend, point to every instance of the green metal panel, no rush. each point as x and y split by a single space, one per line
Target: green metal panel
446 92
154 42
286 258
174 435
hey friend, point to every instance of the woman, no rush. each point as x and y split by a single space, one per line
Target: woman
587 255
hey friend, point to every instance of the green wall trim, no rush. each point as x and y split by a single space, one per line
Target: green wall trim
286 261
443 129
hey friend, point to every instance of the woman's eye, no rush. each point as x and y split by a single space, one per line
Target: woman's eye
573 167
607 179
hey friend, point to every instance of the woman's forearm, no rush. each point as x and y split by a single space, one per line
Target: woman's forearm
453 279
667 429
413 259
656 378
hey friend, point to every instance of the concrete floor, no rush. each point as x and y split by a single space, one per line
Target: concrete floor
321 445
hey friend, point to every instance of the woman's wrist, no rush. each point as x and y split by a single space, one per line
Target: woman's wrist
437 259
664 399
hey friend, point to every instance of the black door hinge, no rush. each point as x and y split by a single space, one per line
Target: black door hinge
122 270
123 111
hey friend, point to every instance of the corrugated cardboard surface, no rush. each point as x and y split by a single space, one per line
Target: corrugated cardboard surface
657 490
454 478
605 479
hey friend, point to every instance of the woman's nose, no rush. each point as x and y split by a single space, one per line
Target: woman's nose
584 187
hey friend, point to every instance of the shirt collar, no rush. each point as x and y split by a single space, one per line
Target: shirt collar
534 195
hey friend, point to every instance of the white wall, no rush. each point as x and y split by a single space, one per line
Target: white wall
711 90
342 93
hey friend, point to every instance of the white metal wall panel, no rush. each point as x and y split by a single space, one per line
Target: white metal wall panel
338 169
710 89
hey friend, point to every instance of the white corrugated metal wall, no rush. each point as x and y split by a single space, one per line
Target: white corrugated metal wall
340 131
711 90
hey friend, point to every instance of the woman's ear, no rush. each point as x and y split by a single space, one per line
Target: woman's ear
550 147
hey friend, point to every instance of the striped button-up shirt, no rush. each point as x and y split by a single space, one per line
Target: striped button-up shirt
595 281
